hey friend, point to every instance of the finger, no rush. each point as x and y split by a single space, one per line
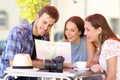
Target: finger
95 68
101 70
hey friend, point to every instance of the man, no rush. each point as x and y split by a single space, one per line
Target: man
21 38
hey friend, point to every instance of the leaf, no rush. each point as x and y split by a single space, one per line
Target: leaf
28 8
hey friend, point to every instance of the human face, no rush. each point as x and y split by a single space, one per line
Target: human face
44 24
72 33
90 32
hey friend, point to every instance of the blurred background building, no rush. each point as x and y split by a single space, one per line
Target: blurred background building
10 16
109 8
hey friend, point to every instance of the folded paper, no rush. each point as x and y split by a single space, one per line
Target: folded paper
49 49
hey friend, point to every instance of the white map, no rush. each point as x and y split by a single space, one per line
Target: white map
49 50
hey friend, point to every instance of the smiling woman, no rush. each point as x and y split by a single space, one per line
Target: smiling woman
82 50
74 33
98 30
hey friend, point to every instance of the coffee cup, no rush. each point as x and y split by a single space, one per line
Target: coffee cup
80 65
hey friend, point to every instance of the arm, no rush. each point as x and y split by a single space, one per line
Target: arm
94 64
111 68
13 45
91 49
11 63
110 52
39 63
95 59
35 63
68 65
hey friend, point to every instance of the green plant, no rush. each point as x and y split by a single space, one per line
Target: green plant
28 8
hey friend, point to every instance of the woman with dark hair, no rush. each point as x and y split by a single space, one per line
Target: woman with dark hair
82 50
108 46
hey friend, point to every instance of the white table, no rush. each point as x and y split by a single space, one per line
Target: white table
68 74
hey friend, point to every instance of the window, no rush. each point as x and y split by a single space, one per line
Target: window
3 19
115 25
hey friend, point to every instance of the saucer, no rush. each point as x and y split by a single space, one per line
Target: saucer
82 69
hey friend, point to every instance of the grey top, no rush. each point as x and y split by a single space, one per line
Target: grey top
79 51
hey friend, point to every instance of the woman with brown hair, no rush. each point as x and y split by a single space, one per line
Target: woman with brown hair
108 46
81 49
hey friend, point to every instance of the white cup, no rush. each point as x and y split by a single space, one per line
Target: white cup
80 65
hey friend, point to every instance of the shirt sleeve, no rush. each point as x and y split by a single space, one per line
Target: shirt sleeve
13 44
111 48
